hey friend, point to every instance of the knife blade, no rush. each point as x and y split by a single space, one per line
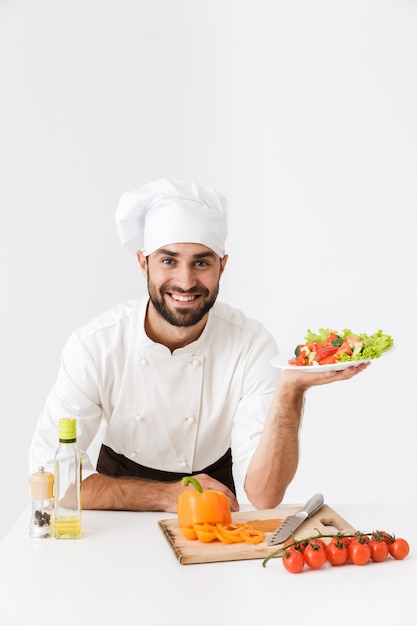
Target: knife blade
292 522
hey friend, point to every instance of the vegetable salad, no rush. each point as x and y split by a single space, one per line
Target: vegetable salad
329 346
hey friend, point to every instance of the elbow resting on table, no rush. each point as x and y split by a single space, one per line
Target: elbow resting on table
262 500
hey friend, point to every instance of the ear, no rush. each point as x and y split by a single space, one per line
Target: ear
223 262
143 264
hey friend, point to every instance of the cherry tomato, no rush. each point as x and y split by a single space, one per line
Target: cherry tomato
315 555
379 550
319 542
399 548
337 553
345 540
359 552
293 560
297 546
381 535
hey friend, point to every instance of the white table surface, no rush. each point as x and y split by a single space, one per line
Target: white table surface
123 571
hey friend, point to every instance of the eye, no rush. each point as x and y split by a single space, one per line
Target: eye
167 261
201 263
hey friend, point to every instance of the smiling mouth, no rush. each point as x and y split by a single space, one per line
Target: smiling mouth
183 298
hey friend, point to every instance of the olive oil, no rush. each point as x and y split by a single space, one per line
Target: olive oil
68 528
67 483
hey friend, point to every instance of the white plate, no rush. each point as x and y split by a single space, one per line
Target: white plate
281 361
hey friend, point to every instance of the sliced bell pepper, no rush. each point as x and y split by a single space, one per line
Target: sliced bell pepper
225 538
232 533
205 532
227 533
251 535
189 533
233 530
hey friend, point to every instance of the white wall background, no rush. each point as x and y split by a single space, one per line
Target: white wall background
303 113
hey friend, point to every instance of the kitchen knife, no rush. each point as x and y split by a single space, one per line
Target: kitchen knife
292 522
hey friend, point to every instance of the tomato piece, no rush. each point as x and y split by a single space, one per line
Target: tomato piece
315 555
302 358
399 548
336 552
332 337
345 347
324 353
293 561
330 359
337 340
379 550
359 552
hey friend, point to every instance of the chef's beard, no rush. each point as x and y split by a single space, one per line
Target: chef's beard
185 317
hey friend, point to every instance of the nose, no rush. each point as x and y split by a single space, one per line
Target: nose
185 277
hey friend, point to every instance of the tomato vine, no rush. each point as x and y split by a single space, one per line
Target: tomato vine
359 548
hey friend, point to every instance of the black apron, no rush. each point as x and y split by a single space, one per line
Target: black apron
118 466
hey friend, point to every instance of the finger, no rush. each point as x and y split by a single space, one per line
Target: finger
311 379
207 482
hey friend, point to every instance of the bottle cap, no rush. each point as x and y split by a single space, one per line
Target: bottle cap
41 485
67 429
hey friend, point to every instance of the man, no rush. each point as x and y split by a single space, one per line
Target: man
182 382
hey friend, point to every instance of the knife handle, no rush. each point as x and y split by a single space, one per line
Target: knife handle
313 505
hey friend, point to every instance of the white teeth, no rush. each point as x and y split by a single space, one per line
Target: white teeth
183 298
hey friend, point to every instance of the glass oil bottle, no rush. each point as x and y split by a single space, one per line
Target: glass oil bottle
67 492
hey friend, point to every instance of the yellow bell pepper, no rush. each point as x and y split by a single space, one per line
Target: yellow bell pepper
199 507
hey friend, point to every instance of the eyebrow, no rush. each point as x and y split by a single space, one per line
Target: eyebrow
199 255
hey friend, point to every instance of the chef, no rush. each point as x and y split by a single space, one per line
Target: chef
177 382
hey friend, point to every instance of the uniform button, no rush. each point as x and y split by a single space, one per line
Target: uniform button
182 464
139 418
189 420
144 362
195 362
133 454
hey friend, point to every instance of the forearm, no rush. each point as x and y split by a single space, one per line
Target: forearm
129 494
137 494
275 459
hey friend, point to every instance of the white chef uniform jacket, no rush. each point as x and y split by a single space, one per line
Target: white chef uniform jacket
178 411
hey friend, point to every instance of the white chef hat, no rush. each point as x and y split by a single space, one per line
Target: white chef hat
172 211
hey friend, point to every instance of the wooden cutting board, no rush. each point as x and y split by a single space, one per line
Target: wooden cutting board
326 520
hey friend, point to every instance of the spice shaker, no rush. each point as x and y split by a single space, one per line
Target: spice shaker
42 490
